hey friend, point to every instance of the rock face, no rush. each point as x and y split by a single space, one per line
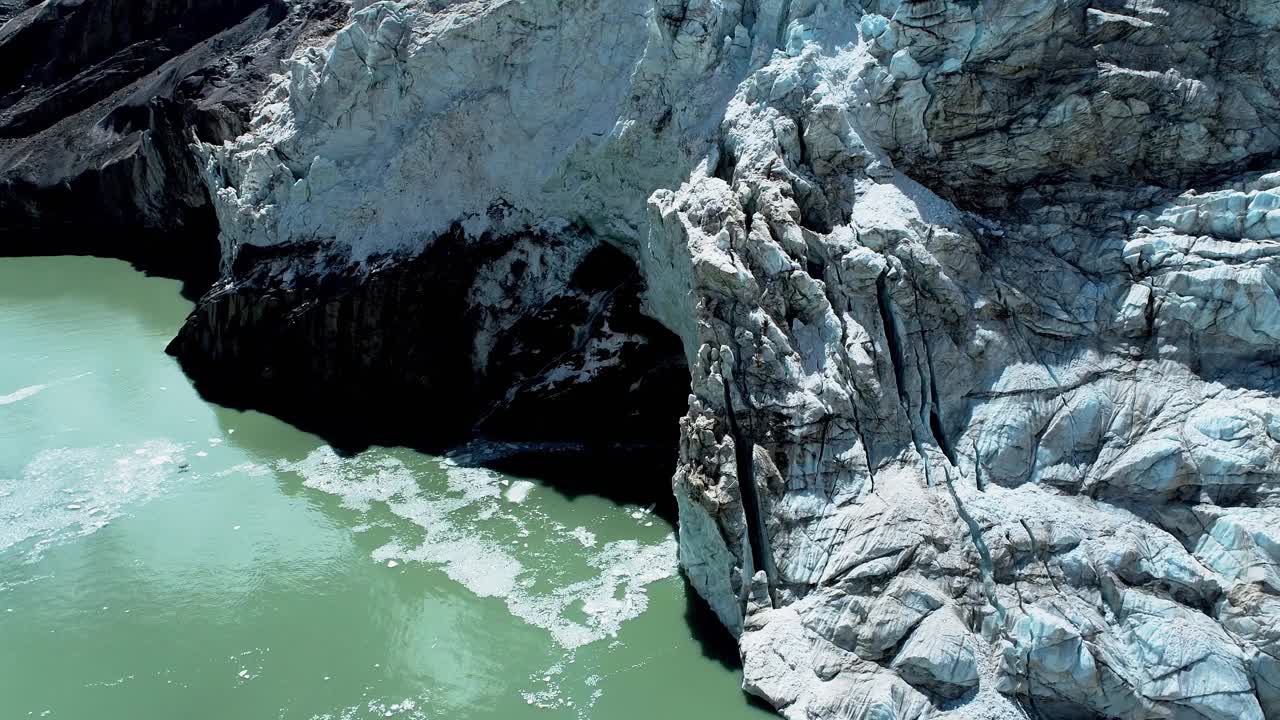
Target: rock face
977 300
99 103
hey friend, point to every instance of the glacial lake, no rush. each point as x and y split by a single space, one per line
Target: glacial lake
162 557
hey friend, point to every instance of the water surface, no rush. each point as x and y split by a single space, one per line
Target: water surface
161 557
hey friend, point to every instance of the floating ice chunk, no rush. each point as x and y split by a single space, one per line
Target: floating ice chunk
392 563
73 506
519 491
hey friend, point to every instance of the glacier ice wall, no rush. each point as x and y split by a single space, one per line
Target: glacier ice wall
978 301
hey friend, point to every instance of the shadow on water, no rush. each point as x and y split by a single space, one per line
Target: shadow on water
715 641
626 474
91 282
193 259
635 473
629 475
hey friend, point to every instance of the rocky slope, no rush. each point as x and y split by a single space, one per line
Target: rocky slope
99 103
977 302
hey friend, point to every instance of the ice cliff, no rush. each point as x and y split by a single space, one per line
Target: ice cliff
977 302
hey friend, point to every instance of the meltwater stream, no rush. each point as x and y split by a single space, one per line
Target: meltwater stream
161 557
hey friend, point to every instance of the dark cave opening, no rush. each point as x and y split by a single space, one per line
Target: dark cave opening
579 389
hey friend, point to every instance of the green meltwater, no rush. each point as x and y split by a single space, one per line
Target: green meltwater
161 557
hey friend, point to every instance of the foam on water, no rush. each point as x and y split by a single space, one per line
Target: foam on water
584 536
71 492
470 540
473 483
408 709
359 481
30 390
21 394
624 566
482 567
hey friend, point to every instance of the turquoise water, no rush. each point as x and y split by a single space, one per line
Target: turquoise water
161 557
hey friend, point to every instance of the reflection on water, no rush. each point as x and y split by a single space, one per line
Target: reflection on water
162 557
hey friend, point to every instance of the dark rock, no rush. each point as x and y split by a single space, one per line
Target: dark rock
411 351
94 136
